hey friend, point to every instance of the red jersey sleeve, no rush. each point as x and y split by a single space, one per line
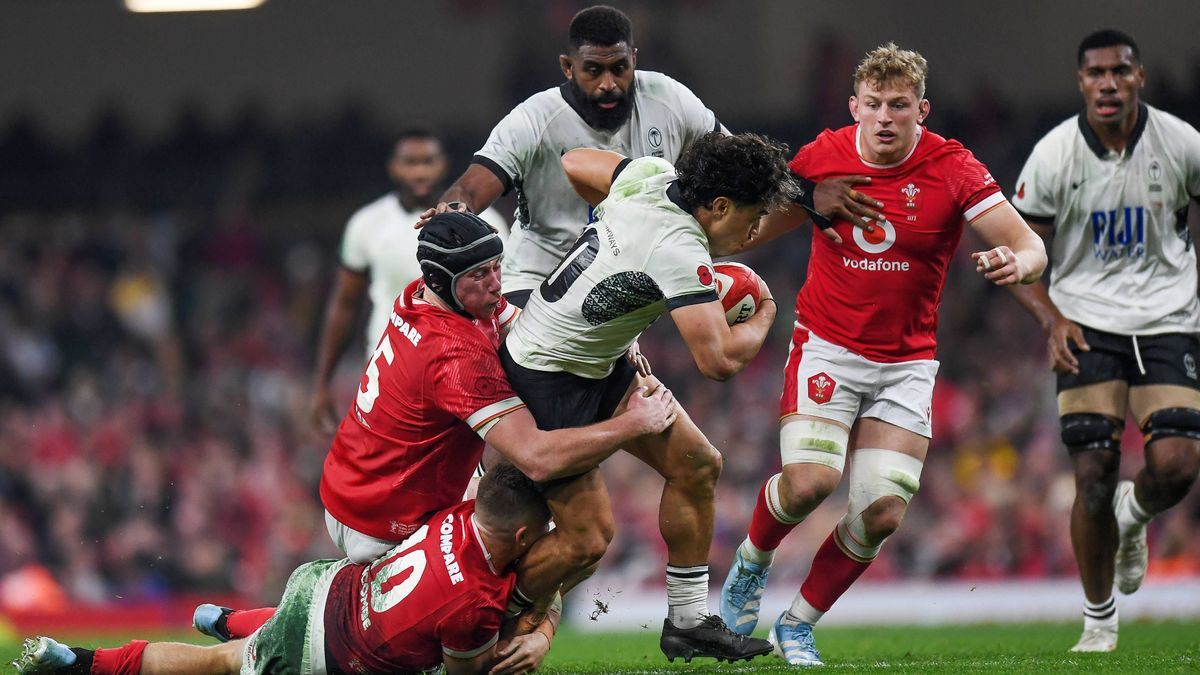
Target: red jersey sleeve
469 383
971 185
801 164
472 627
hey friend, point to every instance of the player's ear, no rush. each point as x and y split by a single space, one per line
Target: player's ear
564 62
721 206
923 110
853 104
523 538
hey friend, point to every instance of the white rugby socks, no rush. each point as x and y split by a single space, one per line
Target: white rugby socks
1100 615
687 595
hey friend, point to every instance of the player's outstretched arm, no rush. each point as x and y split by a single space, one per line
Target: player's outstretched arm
546 455
340 312
1018 254
475 190
720 350
590 172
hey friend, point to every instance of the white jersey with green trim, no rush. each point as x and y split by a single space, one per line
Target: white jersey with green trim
1122 258
380 241
645 254
524 151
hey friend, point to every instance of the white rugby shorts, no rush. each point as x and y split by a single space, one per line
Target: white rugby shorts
824 380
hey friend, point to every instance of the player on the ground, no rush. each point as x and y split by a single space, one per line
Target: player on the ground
432 393
378 258
648 252
605 103
1112 186
438 598
860 375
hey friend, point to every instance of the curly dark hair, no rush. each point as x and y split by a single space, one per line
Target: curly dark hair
746 168
601 26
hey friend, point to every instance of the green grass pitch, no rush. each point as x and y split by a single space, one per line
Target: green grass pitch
1033 648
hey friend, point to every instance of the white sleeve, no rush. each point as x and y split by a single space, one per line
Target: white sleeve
696 118
510 148
634 171
354 251
683 271
1036 195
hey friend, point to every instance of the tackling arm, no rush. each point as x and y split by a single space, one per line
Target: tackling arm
546 455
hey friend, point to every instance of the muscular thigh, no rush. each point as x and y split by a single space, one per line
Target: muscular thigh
681 449
1101 398
580 504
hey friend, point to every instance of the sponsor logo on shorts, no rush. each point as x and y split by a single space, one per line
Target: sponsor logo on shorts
820 388
1189 364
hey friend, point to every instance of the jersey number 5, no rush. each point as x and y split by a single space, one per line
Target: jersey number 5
385 570
370 389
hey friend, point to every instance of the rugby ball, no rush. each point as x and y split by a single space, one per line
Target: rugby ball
738 288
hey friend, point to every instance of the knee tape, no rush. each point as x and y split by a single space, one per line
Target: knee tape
809 441
1172 422
1090 431
874 474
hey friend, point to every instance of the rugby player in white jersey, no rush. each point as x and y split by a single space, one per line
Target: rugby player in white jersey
378 259
1110 188
605 103
648 252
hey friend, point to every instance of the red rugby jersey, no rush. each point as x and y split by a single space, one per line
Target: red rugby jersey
877 294
430 393
435 593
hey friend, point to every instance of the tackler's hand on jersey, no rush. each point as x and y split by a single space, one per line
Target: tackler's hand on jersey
836 199
442 207
1000 266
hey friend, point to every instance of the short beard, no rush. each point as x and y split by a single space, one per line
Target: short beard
599 118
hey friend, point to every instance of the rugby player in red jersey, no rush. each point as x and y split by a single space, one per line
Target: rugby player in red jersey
437 598
432 393
861 370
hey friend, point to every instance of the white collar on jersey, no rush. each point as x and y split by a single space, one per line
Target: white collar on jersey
486 554
858 148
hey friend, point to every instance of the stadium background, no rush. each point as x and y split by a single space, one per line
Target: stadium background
173 187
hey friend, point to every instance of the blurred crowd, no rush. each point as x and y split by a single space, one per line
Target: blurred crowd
159 304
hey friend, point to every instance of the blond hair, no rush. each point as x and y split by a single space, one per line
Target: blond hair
889 64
